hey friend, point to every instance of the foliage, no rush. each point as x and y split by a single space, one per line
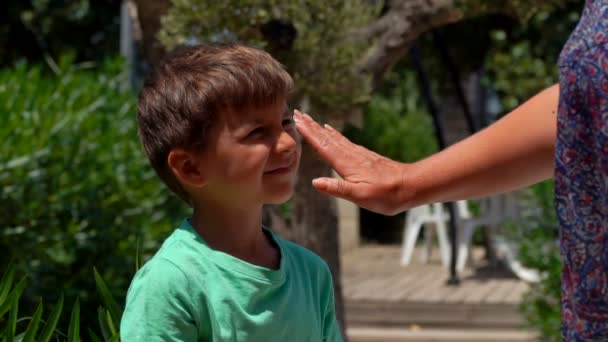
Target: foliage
75 189
313 39
39 30
10 296
522 9
534 48
395 124
538 241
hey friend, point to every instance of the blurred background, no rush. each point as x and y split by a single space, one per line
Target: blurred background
403 78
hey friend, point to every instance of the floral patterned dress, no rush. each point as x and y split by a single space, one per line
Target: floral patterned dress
581 176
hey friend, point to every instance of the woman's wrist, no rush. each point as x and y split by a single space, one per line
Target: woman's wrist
406 188
423 183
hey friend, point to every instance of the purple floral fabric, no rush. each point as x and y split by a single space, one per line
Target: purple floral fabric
581 176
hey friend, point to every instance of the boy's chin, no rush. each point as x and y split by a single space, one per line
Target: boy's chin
279 198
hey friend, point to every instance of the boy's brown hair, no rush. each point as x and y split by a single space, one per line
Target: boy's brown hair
182 97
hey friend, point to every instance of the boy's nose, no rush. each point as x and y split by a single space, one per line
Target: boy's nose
286 143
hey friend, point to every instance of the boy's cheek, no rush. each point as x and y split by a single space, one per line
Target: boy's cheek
297 137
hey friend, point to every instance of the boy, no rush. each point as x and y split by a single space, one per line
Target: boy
214 124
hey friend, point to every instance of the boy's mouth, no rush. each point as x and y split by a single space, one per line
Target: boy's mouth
283 168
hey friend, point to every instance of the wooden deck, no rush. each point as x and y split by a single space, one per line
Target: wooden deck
379 292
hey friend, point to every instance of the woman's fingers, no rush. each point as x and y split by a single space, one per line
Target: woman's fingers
368 179
322 140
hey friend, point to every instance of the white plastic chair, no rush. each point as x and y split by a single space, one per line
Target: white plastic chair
509 253
495 210
490 217
424 216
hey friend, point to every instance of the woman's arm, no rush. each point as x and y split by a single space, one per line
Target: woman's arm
514 152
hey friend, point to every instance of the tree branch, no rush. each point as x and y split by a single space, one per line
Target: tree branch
405 21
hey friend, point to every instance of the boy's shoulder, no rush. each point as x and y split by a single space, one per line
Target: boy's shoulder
175 247
172 256
166 261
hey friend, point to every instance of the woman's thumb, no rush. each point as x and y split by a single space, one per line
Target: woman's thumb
333 186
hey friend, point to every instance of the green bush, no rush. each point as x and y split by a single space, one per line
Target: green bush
538 239
533 48
395 124
75 188
36 328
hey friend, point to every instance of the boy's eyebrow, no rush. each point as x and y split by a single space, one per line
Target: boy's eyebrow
257 122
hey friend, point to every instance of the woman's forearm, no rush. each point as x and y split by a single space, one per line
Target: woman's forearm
516 151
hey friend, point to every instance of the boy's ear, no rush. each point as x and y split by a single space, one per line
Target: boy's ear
187 167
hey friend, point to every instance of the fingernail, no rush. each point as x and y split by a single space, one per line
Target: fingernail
296 117
329 127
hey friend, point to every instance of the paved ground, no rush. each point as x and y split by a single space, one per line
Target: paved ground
387 302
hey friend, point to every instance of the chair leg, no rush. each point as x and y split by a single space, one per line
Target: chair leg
429 233
491 244
411 233
464 243
444 245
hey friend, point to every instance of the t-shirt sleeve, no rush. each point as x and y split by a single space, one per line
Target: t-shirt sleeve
158 306
331 327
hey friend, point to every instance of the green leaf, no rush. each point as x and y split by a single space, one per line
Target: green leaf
12 319
51 323
137 255
114 338
7 282
32 327
74 328
14 295
110 324
107 299
103 323
93 336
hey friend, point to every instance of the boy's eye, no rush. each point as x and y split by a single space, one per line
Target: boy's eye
288 121
256 132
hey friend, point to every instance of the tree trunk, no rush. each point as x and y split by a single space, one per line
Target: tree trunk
149 13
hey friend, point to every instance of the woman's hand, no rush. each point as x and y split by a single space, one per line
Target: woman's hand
369 179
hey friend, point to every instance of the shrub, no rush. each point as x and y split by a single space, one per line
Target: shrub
35 328
395 124
75 188
538 239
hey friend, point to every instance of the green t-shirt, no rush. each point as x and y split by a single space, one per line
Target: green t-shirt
190 292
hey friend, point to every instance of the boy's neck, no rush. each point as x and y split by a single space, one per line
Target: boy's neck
237 232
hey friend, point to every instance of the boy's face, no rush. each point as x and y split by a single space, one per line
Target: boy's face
252 156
